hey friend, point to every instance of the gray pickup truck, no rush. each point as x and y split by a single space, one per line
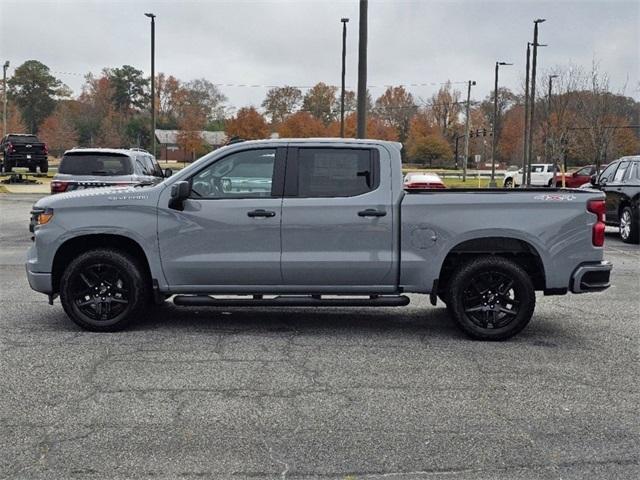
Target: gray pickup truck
322 222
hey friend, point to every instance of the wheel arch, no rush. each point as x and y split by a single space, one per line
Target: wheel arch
518 250
73 247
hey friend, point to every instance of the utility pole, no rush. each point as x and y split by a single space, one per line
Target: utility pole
344 63
362 71
533 93
547 139
525 162
466 131
153 81
492 183
5 67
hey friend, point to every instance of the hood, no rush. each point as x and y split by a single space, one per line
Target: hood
104 196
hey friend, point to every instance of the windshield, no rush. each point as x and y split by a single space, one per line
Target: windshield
107 164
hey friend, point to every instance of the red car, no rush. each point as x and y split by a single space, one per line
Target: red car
579 177
422 180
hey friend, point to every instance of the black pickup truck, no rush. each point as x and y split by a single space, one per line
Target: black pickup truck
20 150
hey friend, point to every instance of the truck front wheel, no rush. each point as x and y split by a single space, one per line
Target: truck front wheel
491 298
102 290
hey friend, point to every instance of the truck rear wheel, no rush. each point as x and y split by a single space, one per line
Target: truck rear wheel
44 166
492 298
102 290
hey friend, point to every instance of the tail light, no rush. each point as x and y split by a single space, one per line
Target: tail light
597 207
58 186
11 148
46 149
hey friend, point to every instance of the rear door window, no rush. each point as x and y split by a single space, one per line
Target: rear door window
102 164
336 172
617 178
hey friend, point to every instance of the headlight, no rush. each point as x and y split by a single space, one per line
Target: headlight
40 216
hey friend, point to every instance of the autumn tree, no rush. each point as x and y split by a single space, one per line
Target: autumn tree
203 94
14 119
425 142
58 130
510 146
301 125
34 90
171 97
320 101
396 107
376 128
247 124
506 99
190 138
281 102
445 107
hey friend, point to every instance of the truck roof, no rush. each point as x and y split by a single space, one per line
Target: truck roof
121 151
355 141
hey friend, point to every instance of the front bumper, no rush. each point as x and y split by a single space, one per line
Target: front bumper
38 281
591 277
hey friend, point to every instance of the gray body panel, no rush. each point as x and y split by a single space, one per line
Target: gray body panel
317 245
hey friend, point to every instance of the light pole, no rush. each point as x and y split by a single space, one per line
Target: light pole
492 183
362 70
344 63
470 83
5 67
533 94
153 81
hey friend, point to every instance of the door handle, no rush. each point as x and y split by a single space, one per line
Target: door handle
261 213
371 212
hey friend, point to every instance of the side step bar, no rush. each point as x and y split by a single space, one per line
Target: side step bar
291 301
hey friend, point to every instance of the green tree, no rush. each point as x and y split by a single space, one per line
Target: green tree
203 94
34 90
127 88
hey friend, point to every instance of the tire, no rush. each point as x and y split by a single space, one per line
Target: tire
44 166
508 183
33 169
8 166
628 226
103 290
492 298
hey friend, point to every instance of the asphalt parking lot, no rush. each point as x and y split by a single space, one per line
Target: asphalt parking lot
318 393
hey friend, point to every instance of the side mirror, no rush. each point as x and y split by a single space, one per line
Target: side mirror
594 180
167 172
180 191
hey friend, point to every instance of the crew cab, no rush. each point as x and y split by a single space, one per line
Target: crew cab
21 150
314 222
541 176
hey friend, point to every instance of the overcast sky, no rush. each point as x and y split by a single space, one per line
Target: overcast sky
268 42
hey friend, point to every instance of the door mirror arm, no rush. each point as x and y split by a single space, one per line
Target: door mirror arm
180 191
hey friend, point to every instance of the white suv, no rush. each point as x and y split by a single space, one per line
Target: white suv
541 176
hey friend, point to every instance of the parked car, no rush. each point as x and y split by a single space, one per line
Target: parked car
83 168
620 182
578 178
336 228
420 180
20 150
541 176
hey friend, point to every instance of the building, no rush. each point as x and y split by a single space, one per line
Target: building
168 148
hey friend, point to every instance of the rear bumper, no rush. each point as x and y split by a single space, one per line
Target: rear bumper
591 277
